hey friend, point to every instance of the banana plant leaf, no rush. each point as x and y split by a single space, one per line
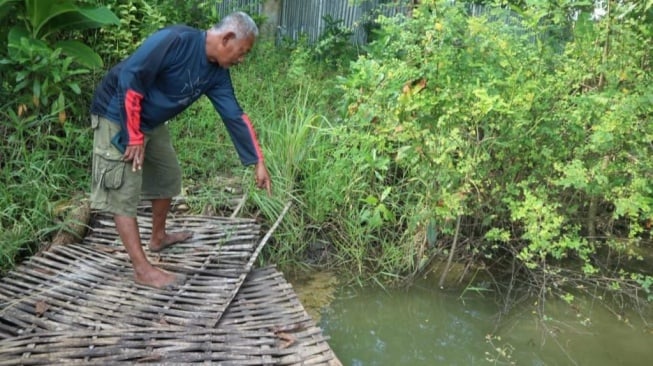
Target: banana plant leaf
47 16
81 53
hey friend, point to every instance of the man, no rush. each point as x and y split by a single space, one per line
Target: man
133 157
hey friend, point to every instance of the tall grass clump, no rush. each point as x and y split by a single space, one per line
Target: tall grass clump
42 167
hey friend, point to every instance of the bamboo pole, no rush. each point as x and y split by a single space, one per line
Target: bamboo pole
252 259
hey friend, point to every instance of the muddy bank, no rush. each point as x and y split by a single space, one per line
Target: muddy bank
315 290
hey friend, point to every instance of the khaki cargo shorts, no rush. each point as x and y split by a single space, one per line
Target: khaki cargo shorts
117 189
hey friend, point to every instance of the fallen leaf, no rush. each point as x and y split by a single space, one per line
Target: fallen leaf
40 307
288 340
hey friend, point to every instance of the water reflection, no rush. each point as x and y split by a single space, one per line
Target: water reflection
431 327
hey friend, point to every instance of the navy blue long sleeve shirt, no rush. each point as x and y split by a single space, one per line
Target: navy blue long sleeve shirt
165 75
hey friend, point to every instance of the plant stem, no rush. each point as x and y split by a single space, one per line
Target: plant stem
453 249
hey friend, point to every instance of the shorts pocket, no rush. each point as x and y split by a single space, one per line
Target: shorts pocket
95 121
109 173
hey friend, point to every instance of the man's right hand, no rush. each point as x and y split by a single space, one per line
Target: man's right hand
135 154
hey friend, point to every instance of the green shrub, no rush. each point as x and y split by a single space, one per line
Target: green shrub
138 19
41 67
455 116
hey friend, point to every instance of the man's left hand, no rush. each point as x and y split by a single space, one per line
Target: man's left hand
262 177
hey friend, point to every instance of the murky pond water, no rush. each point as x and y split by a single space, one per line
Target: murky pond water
426 326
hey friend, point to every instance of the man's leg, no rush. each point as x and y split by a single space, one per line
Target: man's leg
116 188
144 272
162 182
160 239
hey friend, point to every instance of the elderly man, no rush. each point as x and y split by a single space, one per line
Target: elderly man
133 157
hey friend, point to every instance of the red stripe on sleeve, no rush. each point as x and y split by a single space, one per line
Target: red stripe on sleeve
133 112
252 133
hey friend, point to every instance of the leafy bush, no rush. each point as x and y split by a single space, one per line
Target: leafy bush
539 145
138 19
193 13
39 63
334 46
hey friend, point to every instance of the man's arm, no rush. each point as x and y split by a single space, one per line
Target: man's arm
241 131
135 75
240 128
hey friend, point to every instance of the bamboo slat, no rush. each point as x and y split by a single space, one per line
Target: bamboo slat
143 345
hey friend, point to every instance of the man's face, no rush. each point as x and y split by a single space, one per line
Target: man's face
232 51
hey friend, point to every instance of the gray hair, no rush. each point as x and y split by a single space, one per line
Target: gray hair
240 23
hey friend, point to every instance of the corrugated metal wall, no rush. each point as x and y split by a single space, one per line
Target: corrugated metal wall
225 7
306 17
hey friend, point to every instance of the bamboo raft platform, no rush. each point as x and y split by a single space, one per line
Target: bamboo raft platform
78 303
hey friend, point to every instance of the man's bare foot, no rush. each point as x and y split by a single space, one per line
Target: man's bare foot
158 278
169 240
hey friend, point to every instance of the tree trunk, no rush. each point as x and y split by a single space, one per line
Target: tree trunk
272 12
74 225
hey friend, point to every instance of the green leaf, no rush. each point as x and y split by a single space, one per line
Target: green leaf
19 41
16 33
36 88
20 76
75 88
39 12
81 18
431 233
385 193
371 200
47 16
81 53
21 85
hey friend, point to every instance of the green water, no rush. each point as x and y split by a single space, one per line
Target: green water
426 326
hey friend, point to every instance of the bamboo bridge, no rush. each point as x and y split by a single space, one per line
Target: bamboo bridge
77 303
